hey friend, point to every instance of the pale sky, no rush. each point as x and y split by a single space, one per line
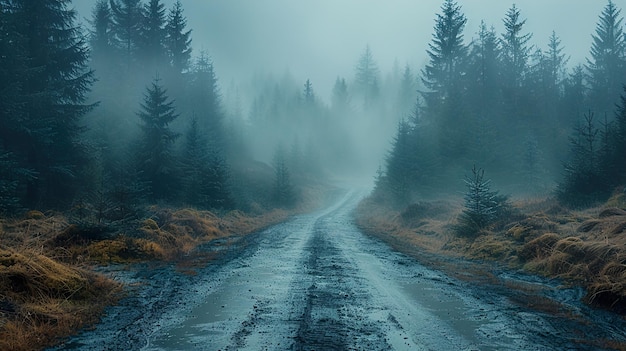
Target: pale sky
322 39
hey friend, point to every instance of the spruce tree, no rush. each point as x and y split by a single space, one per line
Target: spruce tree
399 168
205 175
102 39
155 152
407 91
447 54
484 70
205 100
606 67
51 81
515 49
585 181
152 40
366 80
178 39
443 78
482 205
340 100
127 26
283 193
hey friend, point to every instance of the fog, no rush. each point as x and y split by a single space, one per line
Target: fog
322 39
333 88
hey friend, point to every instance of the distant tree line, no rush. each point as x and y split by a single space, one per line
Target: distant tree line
124 115
510 107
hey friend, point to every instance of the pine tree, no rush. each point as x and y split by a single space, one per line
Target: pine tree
447 55
575 99
205 175
484 69
584 181
178 40
194 166
607 66
283 192
102 39
548 77
367 77
308 94
399 167
515 49
44 130
219 189
127 27
151 43
156 143
407 91
340 100
482 205
443 78
205 100
616 153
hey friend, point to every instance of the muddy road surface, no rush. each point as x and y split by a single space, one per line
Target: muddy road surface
317 283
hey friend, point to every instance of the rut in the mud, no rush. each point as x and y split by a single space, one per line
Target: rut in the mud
317 283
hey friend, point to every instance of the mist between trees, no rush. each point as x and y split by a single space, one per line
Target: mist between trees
124 113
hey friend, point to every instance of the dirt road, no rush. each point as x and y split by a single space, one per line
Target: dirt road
317 283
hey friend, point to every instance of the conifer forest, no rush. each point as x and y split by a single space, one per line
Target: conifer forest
124 128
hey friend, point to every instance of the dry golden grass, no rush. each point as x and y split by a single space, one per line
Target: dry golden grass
586 247
48 289
42 299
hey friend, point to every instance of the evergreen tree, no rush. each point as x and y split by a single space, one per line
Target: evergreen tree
105 54
515 49
447 55
606 68
443 78
283 191
616 150
366 81
548 77
575 94
205 176
482 205
127 27
178 39
10 175
485 67
340 100
308 94
219 190
584 181
205 100
407 91
532 176
43 130
399 167
152 40
155 148
102 40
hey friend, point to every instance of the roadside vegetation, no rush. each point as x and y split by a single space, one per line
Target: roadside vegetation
585 247
559 154
50 282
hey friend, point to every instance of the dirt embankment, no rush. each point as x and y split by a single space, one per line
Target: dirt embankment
583 247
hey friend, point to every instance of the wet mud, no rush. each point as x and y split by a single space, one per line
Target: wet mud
317 283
